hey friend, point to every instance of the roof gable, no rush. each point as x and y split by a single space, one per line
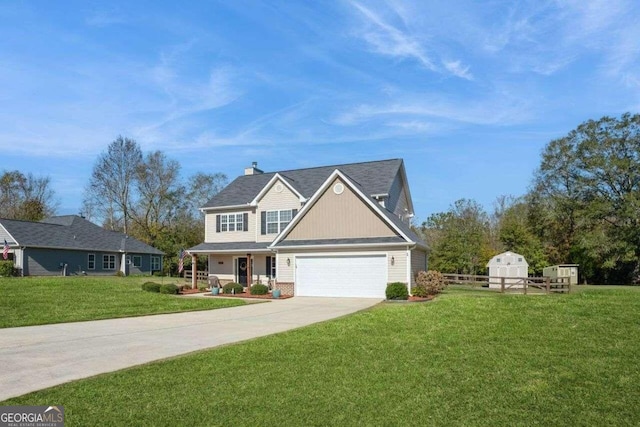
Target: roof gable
384 215
374 177
338 216
270 184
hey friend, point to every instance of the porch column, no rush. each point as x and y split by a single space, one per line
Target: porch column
194 271
249 271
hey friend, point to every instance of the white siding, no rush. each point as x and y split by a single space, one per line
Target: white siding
211 236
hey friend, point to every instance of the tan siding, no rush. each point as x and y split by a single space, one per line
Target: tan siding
273 201
398 271
224 271
418 263
339 216
210 235
285 273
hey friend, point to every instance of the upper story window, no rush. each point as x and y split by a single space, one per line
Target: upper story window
273 222
232 222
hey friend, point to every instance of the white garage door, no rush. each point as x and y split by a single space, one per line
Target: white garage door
341 276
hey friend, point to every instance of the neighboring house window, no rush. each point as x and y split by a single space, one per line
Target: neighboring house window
137 261
271 267
155 263
108 262
232 222
497 259
519 259
91 261
273 222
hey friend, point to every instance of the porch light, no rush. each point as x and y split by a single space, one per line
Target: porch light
288 262
393 261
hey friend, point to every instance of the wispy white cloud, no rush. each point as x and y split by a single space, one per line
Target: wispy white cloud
500 110
457 69
390 40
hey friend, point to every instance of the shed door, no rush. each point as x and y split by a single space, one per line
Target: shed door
362 276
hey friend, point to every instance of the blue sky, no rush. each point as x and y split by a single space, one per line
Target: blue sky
467 92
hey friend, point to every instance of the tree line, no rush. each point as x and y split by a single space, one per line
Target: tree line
144 196
140 194
583 207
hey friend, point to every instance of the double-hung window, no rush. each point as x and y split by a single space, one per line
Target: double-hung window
91 261
108 262
232 222
155 263
276 221
137 260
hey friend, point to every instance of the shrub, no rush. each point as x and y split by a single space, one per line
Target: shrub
430 282
151 287
7 269
397 290
417 291
259 289
232 288
119 273
169 288
202 288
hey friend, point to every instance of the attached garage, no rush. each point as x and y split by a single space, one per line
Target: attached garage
341 276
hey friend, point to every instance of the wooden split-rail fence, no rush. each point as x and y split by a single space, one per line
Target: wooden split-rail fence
201 276
512 284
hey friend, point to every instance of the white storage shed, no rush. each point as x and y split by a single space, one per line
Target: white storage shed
508 264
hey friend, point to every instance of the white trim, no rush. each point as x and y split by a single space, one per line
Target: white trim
9 234
409 271
220 208
235 222
347 245
230 251
109 262
337 174
266 188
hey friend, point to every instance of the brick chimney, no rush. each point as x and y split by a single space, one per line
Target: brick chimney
253 170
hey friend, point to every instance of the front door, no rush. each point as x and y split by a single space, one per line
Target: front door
241 268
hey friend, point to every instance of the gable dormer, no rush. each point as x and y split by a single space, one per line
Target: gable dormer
276 205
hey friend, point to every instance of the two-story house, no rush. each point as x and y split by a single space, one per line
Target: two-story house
325 231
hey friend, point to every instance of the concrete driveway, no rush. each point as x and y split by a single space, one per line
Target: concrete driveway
37 357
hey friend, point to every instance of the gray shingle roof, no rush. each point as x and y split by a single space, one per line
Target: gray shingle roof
73 232
350 241
230 246
374 177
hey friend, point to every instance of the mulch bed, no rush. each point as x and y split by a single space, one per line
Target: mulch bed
188 291
247 295
411 299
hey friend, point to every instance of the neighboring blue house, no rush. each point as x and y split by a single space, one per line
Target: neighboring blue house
70 244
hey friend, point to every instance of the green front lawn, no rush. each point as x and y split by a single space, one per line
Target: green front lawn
494 360
41 300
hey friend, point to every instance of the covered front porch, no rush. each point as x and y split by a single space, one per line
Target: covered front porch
246 264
